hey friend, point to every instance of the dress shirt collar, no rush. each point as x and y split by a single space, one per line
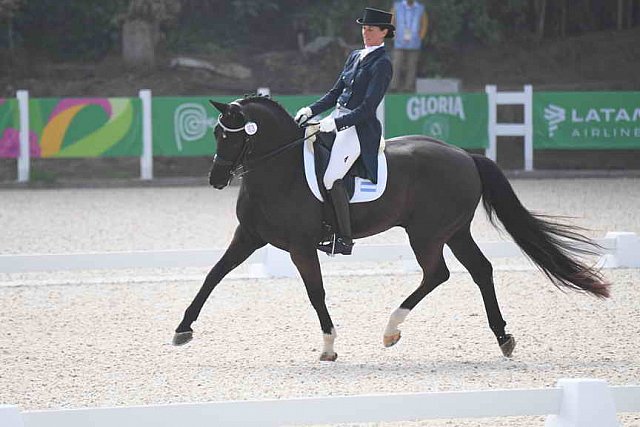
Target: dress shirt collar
367 50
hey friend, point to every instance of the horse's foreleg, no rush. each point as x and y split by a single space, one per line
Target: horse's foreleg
435 272
306 260
240 248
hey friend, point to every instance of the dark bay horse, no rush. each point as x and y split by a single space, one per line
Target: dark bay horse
433 190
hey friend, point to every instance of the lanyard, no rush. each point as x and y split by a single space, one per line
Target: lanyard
405 17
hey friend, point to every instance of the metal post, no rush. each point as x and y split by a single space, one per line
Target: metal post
146 160
25 155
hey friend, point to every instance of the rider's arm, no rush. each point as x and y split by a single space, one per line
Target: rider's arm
375 92
330 98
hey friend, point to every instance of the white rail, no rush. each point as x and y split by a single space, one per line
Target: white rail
575 402
620 250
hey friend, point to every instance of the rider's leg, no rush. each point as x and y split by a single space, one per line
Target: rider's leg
340 200
344 153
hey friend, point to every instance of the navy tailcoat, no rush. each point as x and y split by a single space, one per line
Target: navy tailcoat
360 88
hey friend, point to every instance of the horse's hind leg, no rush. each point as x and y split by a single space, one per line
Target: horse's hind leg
468 253
435 272
242 245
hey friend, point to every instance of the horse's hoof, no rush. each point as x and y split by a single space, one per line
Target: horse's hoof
328 357
390 340
508 346
181 338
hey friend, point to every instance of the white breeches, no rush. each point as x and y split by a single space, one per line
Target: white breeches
345 151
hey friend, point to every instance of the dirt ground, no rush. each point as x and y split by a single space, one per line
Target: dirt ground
88 338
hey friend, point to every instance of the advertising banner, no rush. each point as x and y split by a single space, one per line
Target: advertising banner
184 126
9 129
86 127
586 120
458 118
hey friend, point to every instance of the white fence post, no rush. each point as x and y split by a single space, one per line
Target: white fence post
10 416
491 151
277 263
25 154
528 128
525 129
146 160
585 403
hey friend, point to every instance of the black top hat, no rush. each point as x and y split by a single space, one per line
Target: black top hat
377 18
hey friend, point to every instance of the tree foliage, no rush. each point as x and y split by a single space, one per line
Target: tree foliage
8 7
91 28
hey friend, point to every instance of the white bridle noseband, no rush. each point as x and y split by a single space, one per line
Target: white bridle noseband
226 128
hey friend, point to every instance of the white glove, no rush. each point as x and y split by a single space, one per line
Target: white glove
328 124
303 115
311 130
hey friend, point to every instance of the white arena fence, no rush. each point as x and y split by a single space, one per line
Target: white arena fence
573 402
620 250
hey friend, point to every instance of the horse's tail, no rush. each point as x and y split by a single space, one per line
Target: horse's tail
554 247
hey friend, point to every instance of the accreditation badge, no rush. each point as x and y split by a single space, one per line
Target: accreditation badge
407 35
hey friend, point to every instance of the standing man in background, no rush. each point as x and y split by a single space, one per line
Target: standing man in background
411 22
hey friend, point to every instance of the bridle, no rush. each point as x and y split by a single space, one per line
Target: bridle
247 148
242 165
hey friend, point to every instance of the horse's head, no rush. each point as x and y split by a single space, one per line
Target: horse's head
240 124
233 134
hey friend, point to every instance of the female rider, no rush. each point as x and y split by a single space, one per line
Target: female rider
355 96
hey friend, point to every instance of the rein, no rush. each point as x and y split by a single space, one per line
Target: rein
242 166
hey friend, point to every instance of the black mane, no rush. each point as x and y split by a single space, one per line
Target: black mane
264 100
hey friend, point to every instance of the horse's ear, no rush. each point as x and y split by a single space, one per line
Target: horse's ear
220 106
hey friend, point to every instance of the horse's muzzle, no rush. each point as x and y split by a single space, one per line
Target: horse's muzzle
219 176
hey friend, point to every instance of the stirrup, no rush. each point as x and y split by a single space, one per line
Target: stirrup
336 246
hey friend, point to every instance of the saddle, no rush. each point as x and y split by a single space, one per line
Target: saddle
316 160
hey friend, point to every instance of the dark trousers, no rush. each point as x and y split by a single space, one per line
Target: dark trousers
405 67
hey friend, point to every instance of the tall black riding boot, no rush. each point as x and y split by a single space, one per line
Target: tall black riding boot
343 243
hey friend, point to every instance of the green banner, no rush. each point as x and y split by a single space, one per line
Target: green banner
86 127
183 126
9 128
586 120
457 118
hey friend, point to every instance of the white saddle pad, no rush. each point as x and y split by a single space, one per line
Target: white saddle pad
365 191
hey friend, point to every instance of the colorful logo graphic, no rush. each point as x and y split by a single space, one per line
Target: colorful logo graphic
54 140
10 144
